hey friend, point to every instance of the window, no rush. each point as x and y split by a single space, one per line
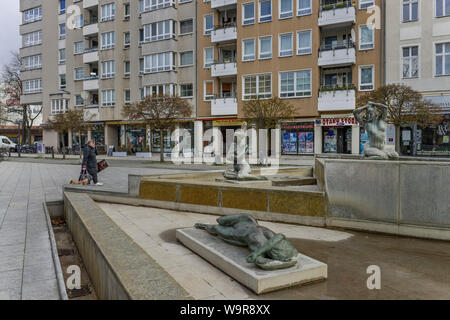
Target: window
304 42
248 16
62 56
186 26
208 90
108 11
286 9
442 8
126 39
248 49
186 90
285 45
295 84
78 22
150 5
364 4
108 97
156 90
366 78
108 69
32 62
410 10
62 31
58 106
158 62
32 39
208 24
79 73
79 101
78 47
158 31
257 86
62 81
265 47
410 62
62 6
127 96
33 86
186 58
443 59
184 1
265 10
32 15
208 56
108 40
366 37
126 69
304 7
126 11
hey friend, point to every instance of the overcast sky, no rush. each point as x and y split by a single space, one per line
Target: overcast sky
10 19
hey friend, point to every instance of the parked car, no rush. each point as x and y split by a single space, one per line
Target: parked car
6 143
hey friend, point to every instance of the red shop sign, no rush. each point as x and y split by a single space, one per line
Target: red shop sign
347 121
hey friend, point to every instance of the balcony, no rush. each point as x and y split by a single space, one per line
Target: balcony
90 3
224 69
90 83
223 106
338 14
224 33
338 55
90 55
90 29
223 4
337 98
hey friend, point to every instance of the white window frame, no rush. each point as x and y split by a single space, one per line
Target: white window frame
108 69
156 57
207 32
62 31
62 61
76 102
444 13
372 28
110 97
58 106
125 96
32 15
410 3
260 16
152 5
61 85
205 64
75 44
108 12
287 14
185 33
257 93
161 31
444 58
280 55
125 73
260 57
298 43
366 4
33 86
187 65
205 96
32 39
32 62
110 38
75 73
360 77
295 94
148 90
249 58
304 11
410 58
187 84
126 43
248 21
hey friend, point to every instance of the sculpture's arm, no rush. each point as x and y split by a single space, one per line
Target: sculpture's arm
384 110
267 247
357 114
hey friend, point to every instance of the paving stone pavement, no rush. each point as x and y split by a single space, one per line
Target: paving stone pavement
26 266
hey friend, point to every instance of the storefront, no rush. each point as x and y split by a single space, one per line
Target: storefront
98 135
297 138
136 139
224 125
340 135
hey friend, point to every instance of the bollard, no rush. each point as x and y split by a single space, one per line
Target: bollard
53 154
18 150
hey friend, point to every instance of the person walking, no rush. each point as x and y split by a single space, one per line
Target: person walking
89 163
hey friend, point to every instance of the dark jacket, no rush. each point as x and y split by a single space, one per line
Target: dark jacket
90 159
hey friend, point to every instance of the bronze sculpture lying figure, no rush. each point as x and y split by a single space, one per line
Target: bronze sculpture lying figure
270 251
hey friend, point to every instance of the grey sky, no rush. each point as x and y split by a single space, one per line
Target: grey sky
10 19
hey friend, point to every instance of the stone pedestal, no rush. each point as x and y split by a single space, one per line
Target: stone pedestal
232 260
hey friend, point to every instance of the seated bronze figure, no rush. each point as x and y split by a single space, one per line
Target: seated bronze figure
270 251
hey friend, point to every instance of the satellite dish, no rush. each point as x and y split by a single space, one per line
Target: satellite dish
85 95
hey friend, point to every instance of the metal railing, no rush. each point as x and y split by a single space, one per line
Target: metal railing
337 5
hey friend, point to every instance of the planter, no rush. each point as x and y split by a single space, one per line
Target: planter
143 154
119 154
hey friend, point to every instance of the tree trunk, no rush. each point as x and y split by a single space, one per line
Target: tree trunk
414 140
79 145
161 144
63 146
397 139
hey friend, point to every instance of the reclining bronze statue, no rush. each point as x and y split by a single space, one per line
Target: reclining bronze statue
270 251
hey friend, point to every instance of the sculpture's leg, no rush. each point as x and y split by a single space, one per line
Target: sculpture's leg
375 154
235 218
223 232
392 155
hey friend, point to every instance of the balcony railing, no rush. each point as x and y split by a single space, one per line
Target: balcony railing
222 105
224 68
337 13
336 98
337 54
222 3
225 32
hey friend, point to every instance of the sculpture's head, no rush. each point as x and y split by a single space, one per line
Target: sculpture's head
371 113
244 125
283 251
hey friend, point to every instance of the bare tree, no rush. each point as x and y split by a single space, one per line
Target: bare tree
12 90
406 107
267 114
160 112
72 120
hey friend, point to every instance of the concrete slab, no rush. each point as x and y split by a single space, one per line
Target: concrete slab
232 260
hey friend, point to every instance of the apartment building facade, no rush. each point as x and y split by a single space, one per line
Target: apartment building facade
318 55
99 55
418 55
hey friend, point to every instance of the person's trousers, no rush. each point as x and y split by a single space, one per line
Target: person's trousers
94 176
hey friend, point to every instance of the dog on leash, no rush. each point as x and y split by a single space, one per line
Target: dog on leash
84 182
